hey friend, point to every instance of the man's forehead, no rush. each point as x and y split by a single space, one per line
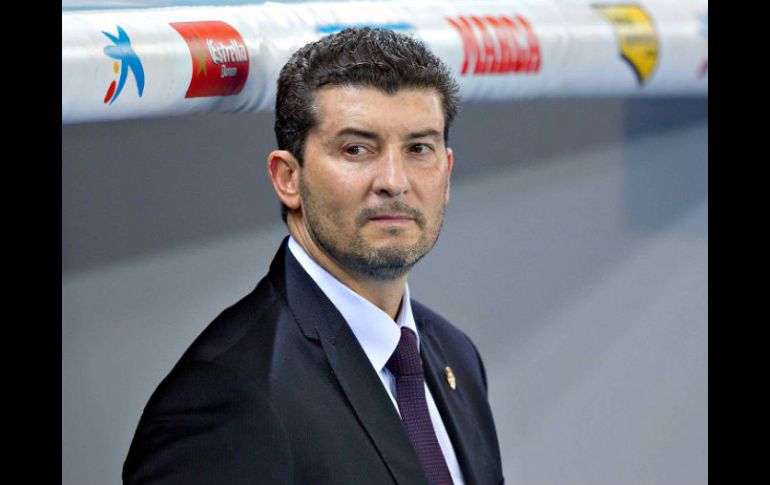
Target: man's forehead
339 106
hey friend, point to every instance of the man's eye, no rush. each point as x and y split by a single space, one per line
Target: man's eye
420 148
355 150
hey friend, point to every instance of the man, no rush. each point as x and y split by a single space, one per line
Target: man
328 373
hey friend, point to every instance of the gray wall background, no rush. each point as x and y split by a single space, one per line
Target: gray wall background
574 254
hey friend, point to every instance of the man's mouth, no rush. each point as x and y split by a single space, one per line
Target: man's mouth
396 213
394 218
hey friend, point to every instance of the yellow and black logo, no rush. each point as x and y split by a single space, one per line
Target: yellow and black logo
637 37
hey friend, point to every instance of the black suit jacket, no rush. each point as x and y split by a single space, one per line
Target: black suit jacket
277 390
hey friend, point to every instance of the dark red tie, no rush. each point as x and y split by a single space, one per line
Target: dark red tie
406 366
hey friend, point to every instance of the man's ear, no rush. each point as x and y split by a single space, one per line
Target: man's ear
450 157
283 169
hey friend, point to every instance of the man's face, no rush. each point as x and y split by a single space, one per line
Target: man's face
375 179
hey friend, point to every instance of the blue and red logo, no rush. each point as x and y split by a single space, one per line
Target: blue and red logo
125 60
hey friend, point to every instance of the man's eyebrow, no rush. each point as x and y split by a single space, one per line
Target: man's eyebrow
429 133
356 132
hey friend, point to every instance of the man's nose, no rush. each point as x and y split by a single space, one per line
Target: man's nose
391 178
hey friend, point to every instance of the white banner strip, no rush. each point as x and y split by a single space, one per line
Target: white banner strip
142 63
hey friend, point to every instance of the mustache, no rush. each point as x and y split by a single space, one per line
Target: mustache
394 207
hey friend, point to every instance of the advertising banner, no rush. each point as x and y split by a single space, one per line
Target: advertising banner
121 64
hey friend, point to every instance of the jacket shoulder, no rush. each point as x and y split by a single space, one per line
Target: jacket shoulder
255 312
210 420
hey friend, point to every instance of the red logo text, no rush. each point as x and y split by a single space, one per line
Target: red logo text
497 45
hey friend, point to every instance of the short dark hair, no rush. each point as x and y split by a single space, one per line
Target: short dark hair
376 58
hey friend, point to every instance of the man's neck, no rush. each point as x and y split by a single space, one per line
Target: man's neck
384 294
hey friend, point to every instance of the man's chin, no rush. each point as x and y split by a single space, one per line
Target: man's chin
384 261
395 254
392 239
384 267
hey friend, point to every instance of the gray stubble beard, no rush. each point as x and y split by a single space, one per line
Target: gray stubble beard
384 264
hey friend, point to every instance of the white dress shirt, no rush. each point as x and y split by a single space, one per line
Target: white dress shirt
379 337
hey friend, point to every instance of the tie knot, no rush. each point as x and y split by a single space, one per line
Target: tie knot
405 360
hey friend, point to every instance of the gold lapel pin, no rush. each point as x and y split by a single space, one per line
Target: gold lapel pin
450 378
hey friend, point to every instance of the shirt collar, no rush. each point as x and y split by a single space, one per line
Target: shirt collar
377 333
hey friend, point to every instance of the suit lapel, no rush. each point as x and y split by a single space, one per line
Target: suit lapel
319 320
373 407
460 423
